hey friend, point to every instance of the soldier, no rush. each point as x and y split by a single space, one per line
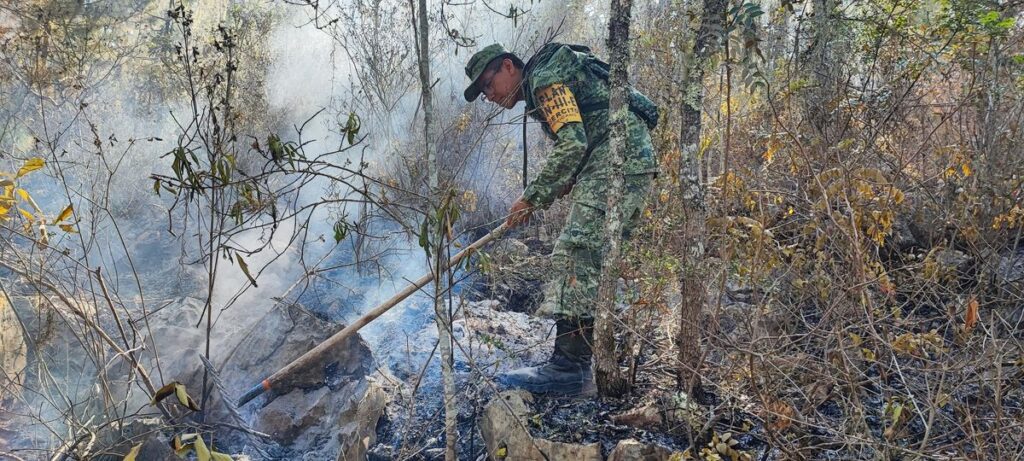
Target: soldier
566 88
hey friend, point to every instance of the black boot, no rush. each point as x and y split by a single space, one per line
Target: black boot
568 370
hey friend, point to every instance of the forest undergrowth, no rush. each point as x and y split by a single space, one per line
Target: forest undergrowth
862 266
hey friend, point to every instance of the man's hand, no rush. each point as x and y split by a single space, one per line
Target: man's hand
519 213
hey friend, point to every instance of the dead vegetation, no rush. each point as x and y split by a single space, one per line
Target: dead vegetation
862 183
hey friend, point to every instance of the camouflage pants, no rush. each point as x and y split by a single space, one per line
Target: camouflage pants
577 256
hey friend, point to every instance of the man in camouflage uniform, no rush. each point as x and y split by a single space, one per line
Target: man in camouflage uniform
566 88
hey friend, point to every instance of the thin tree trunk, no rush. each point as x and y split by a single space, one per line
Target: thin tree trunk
821 63
441 315
423 49
690 244
610 379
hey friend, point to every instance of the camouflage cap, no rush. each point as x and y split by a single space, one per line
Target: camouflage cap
478 63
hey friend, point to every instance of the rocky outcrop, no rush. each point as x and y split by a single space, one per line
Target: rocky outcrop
176 342
328 411
504 430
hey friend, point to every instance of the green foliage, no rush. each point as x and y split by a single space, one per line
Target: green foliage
340 228
351 128
743 28
439 225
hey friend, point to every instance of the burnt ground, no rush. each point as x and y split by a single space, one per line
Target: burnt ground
779 388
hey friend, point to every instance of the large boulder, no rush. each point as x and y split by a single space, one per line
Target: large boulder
327 411
177 341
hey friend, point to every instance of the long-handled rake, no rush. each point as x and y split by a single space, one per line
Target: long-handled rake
316 354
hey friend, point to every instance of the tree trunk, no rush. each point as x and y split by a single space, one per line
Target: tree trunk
610 379
820 61
690 243
423 50
441 314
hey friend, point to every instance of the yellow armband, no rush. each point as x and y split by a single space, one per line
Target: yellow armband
558 105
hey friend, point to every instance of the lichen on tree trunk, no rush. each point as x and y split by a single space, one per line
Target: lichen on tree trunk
690 238
610 379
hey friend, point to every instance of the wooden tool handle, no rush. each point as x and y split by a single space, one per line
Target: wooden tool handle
315 355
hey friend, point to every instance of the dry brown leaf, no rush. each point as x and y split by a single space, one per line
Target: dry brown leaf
132 453
29 166
178 390
163 392
646 416
971 317
65 214
780 415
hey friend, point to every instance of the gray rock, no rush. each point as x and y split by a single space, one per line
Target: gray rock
328 411
954 260
504 430
632 450
357 424
284 334
178 342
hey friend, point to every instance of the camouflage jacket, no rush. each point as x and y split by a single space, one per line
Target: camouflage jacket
566 119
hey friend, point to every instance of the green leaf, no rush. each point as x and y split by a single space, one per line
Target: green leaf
988 18
340 230
276 148
351 128
179 163
245 268
425 235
